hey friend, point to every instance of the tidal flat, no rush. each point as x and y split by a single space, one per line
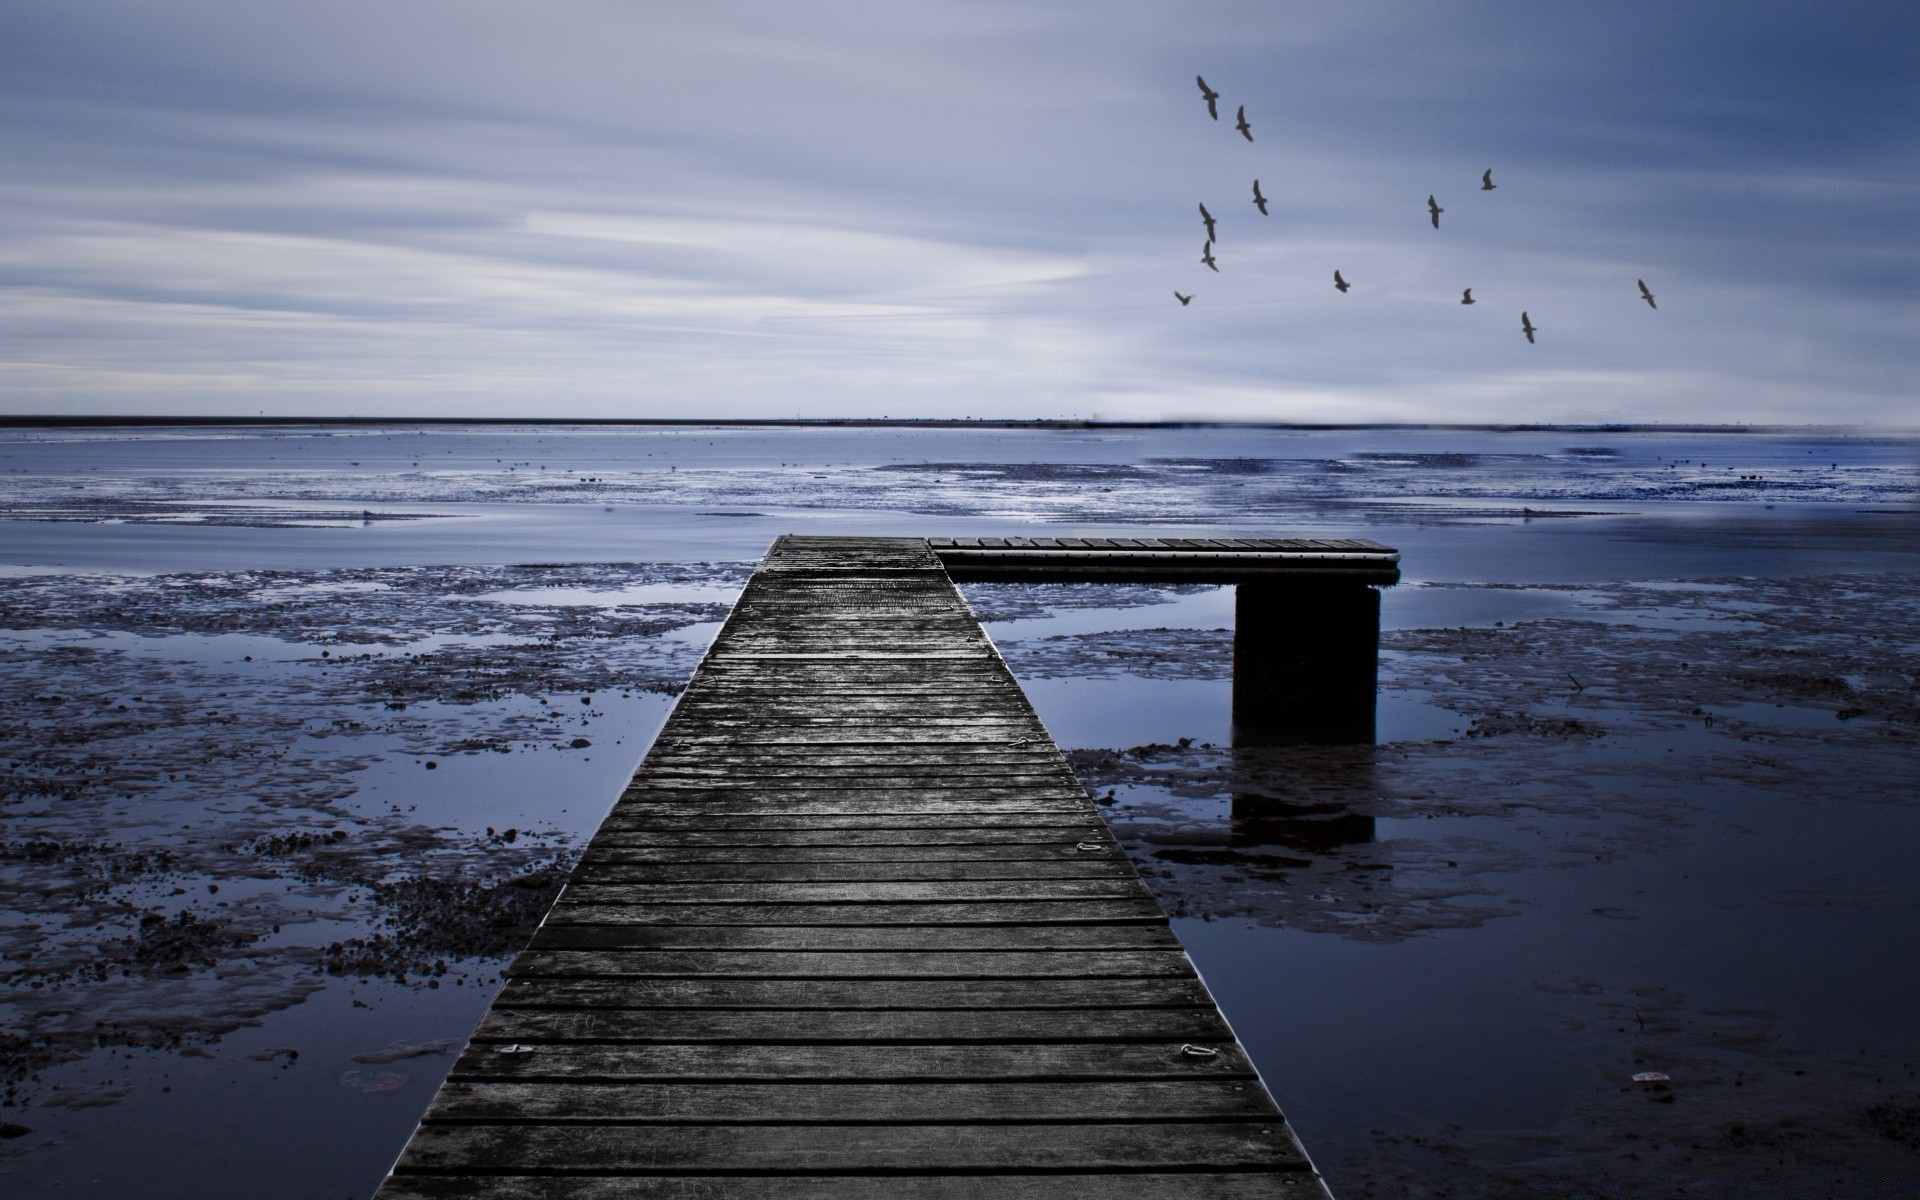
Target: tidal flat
309 724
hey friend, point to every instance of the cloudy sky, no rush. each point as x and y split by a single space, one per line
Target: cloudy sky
973 209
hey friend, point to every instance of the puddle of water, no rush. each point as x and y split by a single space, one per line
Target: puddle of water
1109 712
636 594
303 1114
524 787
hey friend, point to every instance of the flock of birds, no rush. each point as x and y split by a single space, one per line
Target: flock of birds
1340 284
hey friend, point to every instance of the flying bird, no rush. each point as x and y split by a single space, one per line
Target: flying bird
1184 300
1240 123
1486 180
1208 218
1434 211
1340 283
1466 297
1259 201
1206 255
1526 326
1646 295
1213 97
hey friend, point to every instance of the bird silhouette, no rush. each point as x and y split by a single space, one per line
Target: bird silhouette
1213 98
1646 295
1206 255
1208 218
1466 297
1240 123
1340 283
1259 201
1184 300
1486 180
1434 211
1527 326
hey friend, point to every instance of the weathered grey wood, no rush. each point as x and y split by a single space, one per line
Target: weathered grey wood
881 853
971 938
642 1149
855 893
1130 1185
786 1103
1085 866
811 995
624 908
925 1063
1168 560
802 829
860 964
854 930
775 1026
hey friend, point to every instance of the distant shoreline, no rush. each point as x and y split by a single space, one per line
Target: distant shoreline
44 421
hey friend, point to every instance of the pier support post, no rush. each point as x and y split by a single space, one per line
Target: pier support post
1305 663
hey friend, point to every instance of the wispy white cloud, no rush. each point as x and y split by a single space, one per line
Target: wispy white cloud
952 208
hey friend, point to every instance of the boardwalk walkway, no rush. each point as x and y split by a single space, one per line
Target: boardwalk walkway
854 931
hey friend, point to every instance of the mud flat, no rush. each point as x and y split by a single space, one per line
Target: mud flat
227 795
1638 838
1640 806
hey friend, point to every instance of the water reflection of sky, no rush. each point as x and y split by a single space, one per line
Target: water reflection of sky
1755 891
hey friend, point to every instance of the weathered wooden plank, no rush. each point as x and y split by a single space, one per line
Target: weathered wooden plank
1218 1145
622 1026
855 893
866 964
974 773
856 938
869 1063
1130 1185
788 1103
1084 867
611 851
801 996
862 802
838 832
959 756
622 908
804 829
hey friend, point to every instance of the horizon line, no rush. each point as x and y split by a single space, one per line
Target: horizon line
98 421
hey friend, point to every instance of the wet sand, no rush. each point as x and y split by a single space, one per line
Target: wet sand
280 798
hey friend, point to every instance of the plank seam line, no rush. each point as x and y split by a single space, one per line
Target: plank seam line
1282 1167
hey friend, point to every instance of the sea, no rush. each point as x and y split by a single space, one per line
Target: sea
306 722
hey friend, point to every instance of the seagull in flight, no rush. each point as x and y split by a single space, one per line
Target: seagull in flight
1259 201
1466 297
1646 295
1206 255
1486 180
1208 218
1340 283
1184 300
1434 210
1240 123
1527 327
1213 98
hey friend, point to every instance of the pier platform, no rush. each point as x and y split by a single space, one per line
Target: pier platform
853 931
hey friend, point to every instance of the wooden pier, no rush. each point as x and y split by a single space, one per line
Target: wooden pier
853 931
1306 622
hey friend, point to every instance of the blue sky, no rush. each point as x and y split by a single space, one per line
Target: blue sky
919 208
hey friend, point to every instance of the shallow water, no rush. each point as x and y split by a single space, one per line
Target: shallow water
1645 773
